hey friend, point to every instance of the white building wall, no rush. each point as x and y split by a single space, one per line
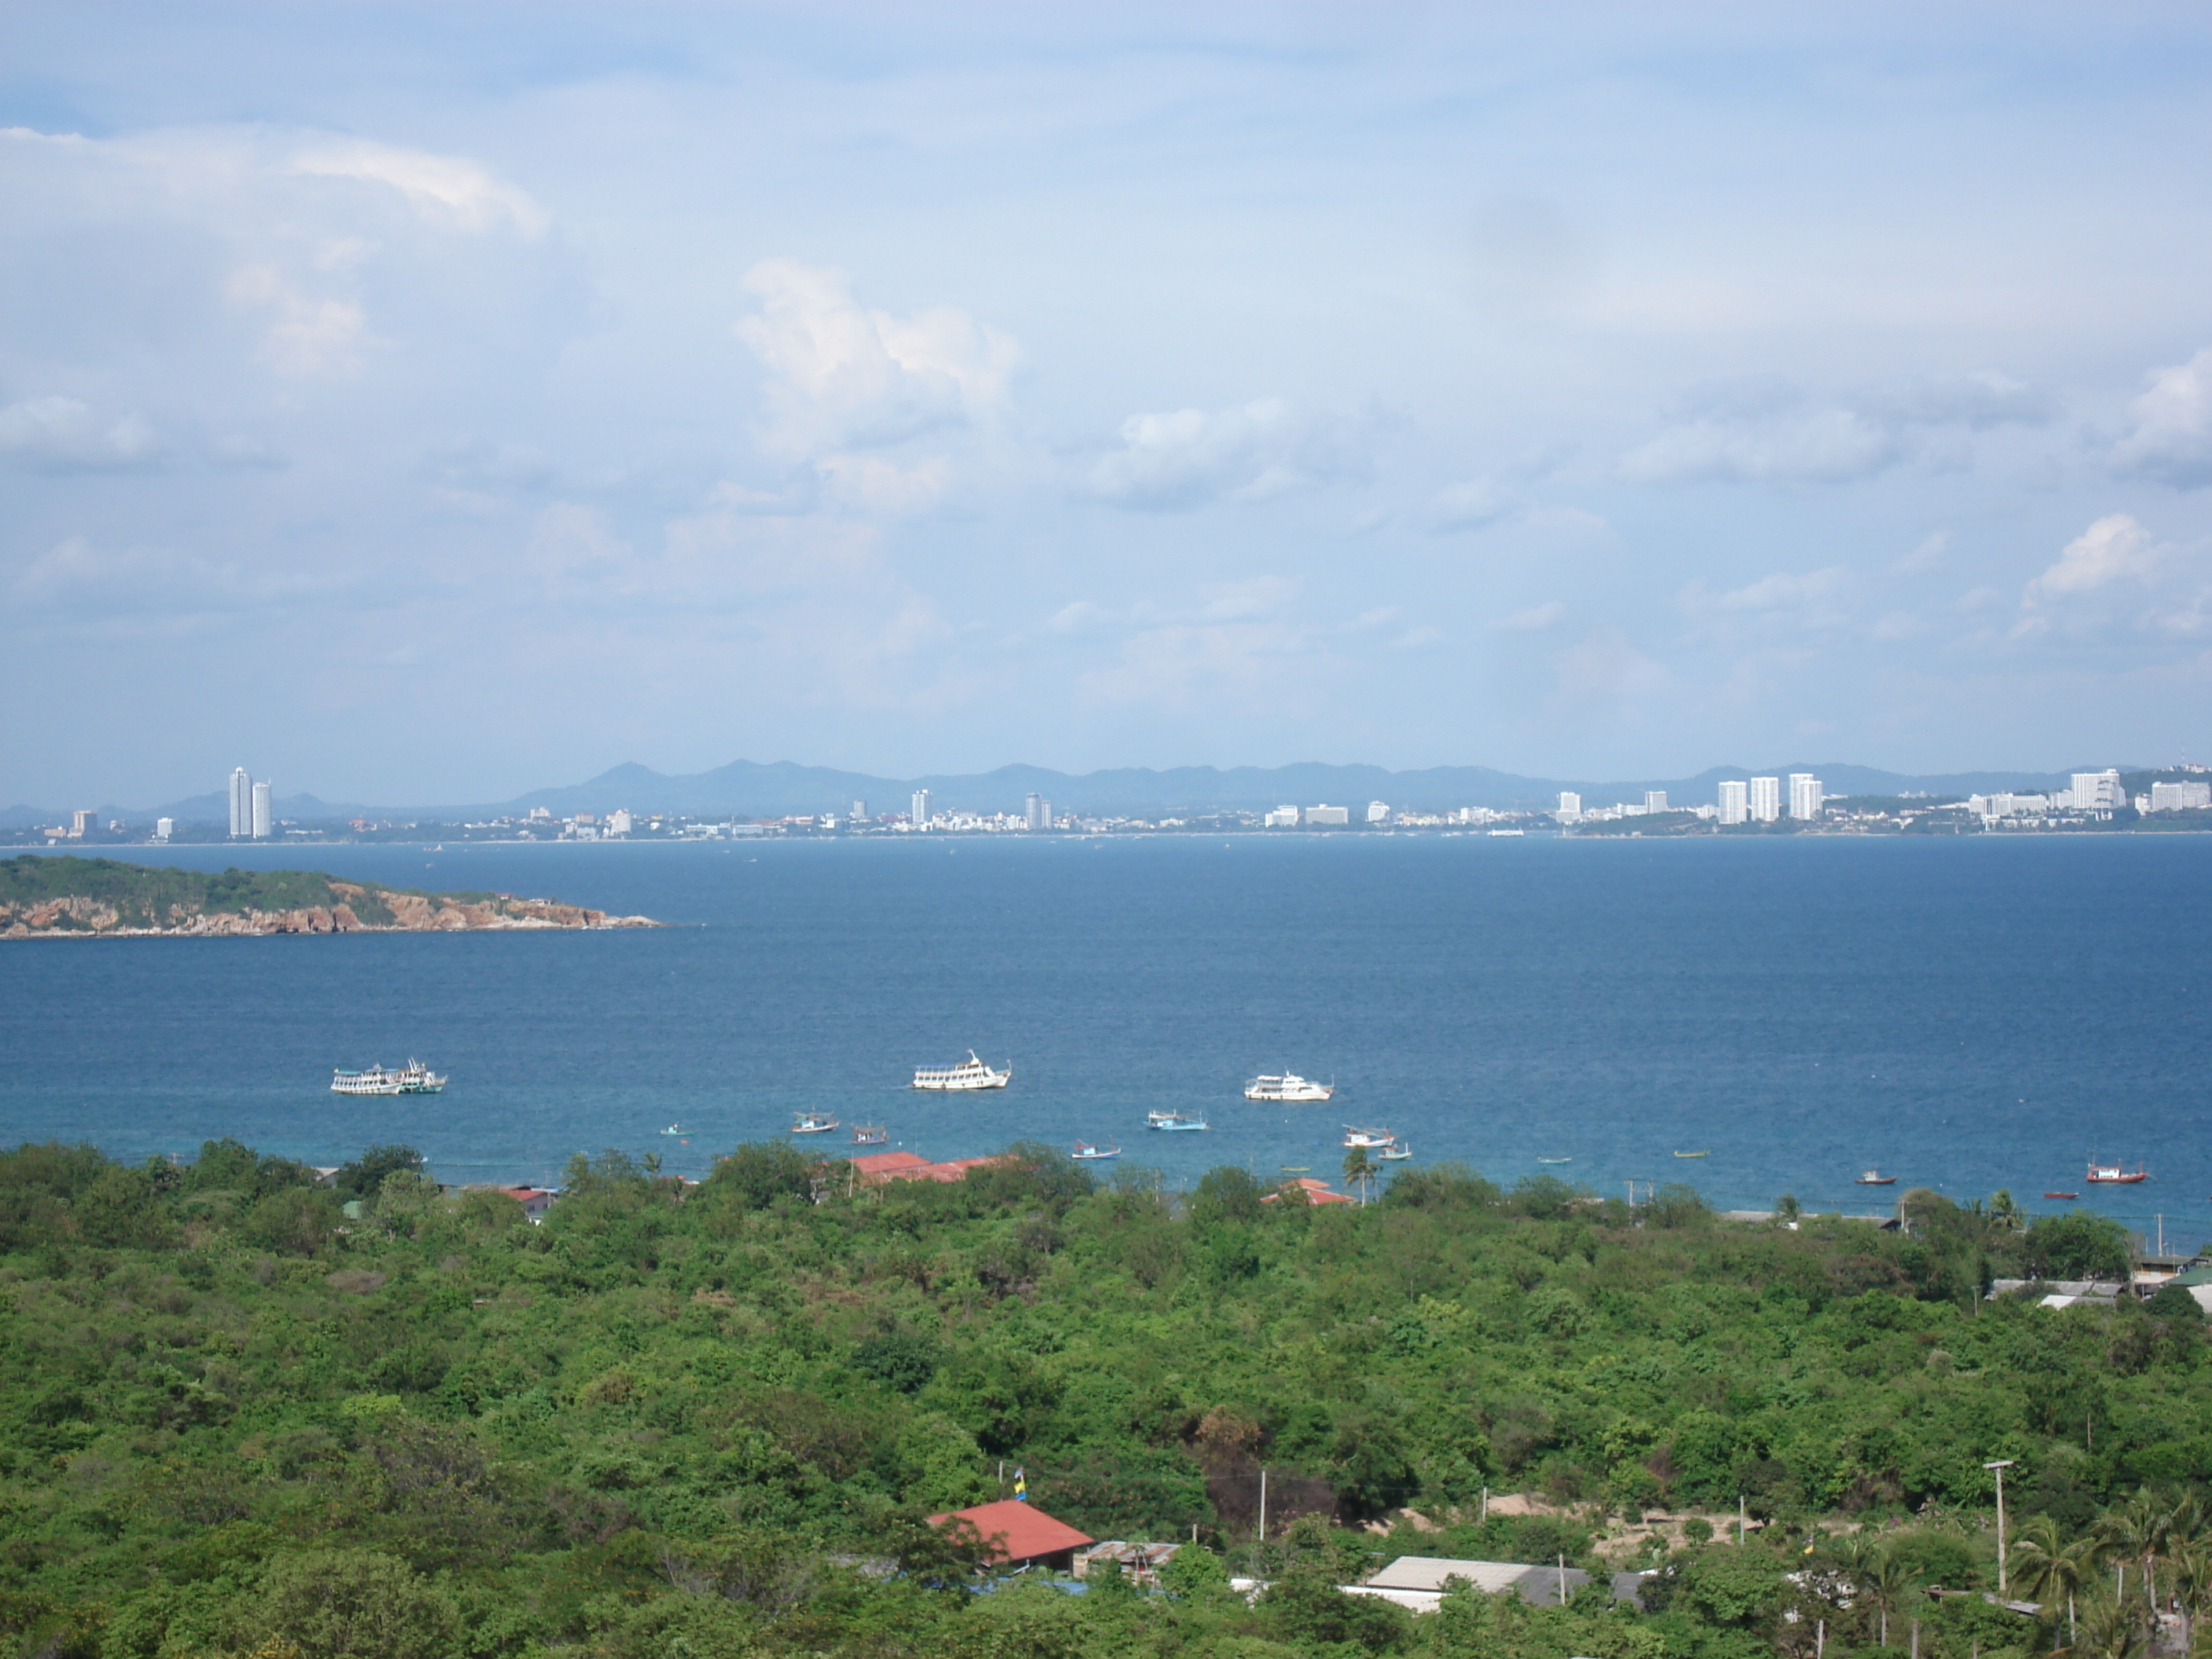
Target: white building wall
1765 800
264 816
1805 796
1378 811
919 815
1570 807
241 802
1734 801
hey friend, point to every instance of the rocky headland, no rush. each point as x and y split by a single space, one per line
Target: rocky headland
102 898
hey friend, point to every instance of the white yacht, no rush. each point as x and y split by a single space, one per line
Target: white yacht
970 1073
1289 1086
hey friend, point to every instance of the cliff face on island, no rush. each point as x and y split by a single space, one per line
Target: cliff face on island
70 897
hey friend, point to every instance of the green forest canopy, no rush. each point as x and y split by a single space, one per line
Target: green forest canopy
710 1420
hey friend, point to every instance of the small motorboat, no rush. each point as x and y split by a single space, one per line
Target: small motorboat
1087 1153
2062 1195
1393 1153
1356 1137
1555 1160
813 1124
1875 1178
870 1134
676 1129
1174 1122
1706 1153
2111 1175
1298 1168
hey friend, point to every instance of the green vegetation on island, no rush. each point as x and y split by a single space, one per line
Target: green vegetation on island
64 895
247 1414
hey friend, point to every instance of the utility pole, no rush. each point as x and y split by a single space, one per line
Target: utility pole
1998 1469
1263 1505
1743 1520
1485 1505
1563 1581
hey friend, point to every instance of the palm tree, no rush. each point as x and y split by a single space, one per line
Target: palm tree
2046 1568
1888 1581
2139 1532
2189 1558
1357 1171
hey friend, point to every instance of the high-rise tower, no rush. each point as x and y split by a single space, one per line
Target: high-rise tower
241 802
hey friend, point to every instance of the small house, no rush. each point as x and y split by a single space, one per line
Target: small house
1021 1534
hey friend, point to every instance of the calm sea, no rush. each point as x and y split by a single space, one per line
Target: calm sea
1968 1015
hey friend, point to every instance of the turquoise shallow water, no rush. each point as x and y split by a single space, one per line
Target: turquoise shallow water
1966 1014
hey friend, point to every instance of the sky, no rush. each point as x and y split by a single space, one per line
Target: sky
416 403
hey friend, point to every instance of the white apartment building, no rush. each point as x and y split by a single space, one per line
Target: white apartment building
1765 800
2179 797
920 816
619 822
1805 796
2003 805
241 802
1037 812
2097 792
1734 801
1569 809
1327 814
1378 811
1283 817
163 828
1654 800
264 813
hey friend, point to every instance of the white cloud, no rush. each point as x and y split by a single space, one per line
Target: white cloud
77 577
1927 557
1471 506
2114 549
308 336
60 434
1537 618
842 376
1831 446
459 189
1188 457
2173 439
1768 432
1813 592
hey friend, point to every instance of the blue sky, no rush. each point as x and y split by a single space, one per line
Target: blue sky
433 402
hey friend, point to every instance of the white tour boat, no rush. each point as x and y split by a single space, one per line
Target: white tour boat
373 1081
970 1073
414 1078
1289 1086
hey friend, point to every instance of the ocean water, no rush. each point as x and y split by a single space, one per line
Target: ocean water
1968 1015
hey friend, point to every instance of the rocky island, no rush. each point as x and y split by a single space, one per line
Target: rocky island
74 897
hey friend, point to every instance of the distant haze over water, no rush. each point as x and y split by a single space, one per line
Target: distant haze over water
1966 1014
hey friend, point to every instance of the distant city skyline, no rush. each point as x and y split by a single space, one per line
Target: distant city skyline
1585 393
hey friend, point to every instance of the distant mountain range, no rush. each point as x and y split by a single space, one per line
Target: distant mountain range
748 789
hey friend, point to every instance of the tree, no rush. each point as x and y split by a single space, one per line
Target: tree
1358 1169
2045 1567
364 1175
1890 1583
353 1604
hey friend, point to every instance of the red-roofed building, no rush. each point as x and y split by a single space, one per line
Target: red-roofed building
1316 1192
1021 1534
876 1167
535 1200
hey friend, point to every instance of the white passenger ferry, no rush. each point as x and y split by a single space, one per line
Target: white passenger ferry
970 1073
1289 1086
414 1078
373 1081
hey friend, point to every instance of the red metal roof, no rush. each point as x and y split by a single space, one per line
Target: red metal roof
1316 1192
1028 1531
